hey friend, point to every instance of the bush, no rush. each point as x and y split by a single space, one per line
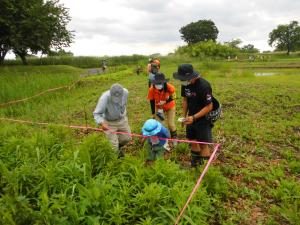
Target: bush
206 49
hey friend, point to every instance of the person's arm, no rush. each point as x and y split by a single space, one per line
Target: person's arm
202 112
100 110
209 106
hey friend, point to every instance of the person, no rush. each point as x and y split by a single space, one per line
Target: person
162 102
156 147
196 104
138 70
152 68
103 65
150 60
110 114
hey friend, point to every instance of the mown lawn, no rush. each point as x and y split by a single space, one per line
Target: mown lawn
51 175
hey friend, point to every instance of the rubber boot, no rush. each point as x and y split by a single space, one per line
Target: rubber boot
121 153
196 159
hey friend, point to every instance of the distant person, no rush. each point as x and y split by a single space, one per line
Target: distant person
197 102
155 147
153 69
150 60
110 114
103 65
138 70
162 102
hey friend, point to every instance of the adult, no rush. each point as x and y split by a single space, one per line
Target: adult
197 102
162 102
110 115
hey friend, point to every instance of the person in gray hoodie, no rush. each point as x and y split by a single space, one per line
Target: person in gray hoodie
110 114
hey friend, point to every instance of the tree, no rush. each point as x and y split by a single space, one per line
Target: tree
286 37
234 43
6 20
202 30
35 26
61 52
249 49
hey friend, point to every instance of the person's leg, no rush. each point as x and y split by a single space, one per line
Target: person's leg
150 153
195 150
204 150
204 134
171 119
123 126
160 152
171 124
123 139
113 138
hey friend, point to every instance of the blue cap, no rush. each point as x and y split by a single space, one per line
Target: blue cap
151 127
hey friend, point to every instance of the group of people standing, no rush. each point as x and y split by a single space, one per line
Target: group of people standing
197 104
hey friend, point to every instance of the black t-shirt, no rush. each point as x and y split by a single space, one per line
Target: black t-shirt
198 94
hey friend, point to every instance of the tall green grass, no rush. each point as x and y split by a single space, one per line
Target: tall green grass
58 176
21 82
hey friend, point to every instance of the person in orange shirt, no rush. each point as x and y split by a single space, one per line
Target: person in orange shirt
162 101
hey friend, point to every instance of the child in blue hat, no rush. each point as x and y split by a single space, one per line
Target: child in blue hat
154 130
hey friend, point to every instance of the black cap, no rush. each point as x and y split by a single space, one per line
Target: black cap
185 72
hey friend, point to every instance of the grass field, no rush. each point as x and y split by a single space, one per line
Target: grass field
54 175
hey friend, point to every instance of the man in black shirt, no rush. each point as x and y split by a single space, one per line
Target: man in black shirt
197 102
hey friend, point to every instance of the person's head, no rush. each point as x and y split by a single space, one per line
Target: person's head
150 60
186 74
157 62
159 81
116 92
151 127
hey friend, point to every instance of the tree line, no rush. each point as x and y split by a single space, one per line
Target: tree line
285 37
32 26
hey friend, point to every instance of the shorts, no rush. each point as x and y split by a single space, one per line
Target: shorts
199 131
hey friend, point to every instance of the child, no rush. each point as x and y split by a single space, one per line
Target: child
156 147
162 101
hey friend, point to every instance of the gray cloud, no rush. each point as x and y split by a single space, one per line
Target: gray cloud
159 21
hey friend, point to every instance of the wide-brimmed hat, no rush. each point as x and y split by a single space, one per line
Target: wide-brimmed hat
116 93
185 72
159 78
151 127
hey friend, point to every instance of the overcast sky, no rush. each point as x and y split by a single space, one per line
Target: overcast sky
126 27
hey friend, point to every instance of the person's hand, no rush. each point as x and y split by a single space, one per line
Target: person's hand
188 120
104 126
162 103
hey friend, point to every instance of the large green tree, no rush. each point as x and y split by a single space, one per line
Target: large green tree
202 30
33 26
6 25
249 49
286 37
234 43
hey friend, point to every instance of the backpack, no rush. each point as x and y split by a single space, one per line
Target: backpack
215 114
